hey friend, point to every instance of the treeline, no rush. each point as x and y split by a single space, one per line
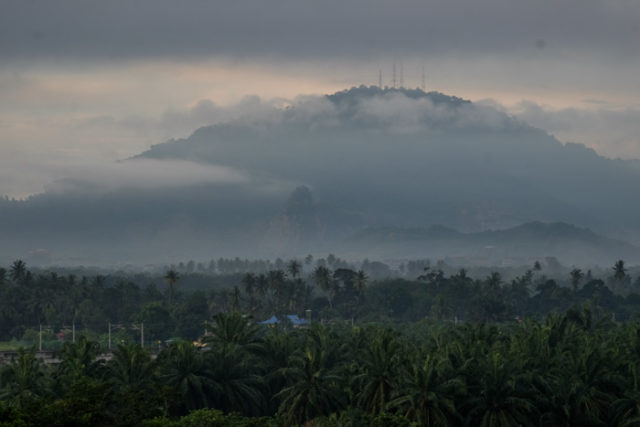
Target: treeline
59 303
576 369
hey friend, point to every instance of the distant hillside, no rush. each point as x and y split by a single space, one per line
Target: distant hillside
410 158
518 245
370 159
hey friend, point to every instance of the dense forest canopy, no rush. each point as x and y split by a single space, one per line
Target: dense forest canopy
550 346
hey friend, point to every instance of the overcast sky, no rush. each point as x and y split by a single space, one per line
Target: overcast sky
86 81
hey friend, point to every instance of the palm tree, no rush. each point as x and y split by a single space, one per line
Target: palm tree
171 278
626 410
18 271
131 368
229 330
79 360
426 396
235 385
576 277
23 380
498 399
277 284
183 367
360 282
249 282
619 271
585 386
379 361
235 298
294 268
314 381
322 277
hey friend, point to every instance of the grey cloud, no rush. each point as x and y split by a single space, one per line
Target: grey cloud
143 174
99 29
60 175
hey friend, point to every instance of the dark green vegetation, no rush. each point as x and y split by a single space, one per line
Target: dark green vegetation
443 349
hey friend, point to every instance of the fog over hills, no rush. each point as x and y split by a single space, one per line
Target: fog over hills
328 173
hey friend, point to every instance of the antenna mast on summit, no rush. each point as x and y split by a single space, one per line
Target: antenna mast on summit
380 79
393 80
401 74
423 82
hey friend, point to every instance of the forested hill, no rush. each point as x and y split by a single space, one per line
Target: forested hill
409 158
366 158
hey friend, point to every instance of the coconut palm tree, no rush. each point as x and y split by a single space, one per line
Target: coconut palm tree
131 368
323 278
619 270
426 396
24 380
379 361
79 360
235 385
499 398
184 367
171 277
18 271
249 283
576 277
229 330
293 268
314 380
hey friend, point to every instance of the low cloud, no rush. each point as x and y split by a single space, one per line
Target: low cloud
29 177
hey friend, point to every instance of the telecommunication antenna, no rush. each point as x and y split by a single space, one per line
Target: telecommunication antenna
380 79
401 74
423 81
393 80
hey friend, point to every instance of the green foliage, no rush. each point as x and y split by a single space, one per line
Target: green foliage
440 351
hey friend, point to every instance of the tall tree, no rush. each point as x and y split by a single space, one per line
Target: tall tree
131 369
619 270
426 396
576 277
18 271
171 278
314 380
24 380
293 268
184 368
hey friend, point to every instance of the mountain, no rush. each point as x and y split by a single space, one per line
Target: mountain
298 177
410 158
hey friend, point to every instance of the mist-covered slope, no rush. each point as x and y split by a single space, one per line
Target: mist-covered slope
409 158
285 179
